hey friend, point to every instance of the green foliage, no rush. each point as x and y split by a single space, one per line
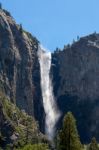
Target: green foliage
23 125
68 138
93 145
35 147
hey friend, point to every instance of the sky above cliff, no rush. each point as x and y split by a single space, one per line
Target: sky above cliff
55 22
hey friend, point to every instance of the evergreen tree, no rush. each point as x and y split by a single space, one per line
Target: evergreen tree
78 38
68 45
21 28
35 147
0 5
68 138
93 145
73 41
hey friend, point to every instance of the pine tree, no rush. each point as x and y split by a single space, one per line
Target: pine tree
68 138
78 38
93 144
0 5
21 28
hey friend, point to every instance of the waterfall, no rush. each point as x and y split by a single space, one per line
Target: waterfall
50 107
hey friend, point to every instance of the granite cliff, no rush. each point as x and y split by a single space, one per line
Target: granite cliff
76 83
19 66
75 74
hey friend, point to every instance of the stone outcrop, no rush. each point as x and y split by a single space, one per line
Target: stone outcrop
19 66
76 83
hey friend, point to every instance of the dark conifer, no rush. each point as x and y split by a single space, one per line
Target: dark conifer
21 28
68 138
0 5
93 144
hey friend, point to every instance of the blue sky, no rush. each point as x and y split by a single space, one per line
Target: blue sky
55 22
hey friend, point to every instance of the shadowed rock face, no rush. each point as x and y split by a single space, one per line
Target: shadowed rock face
19 66
76 83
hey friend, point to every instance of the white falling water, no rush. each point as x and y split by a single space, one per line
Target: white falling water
51 111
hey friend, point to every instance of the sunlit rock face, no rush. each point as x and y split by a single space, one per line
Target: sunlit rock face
19 66
51 111
75 72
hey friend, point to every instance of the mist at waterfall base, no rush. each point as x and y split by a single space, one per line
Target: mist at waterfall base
50 107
